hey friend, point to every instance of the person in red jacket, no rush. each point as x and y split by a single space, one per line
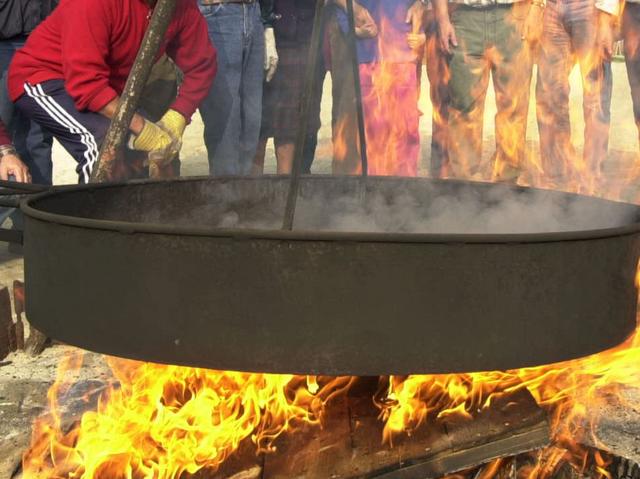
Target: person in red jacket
74 66
11 166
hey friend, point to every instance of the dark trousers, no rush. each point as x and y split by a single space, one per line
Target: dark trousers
631 35
80 133
32 142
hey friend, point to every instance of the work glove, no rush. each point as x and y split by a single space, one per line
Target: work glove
151 138
174 123
270 54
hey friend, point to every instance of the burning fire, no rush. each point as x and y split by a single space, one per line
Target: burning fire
162 421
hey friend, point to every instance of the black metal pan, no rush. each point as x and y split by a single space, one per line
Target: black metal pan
197 272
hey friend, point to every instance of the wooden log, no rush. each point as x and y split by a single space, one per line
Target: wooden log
36 343
349 445
314 451
18 306
7 335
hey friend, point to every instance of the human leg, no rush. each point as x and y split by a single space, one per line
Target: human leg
511 72
346 153
552 97
221 110
80 133
597 86
257 168
285 151
437 72
392 118
251 84
468 82
631 35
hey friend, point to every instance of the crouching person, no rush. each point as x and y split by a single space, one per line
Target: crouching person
74 66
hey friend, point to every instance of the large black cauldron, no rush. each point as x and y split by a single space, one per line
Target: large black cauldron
442 276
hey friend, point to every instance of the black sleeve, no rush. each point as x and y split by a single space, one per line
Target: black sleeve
268 12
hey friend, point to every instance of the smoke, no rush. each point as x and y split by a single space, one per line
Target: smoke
469 210
349 204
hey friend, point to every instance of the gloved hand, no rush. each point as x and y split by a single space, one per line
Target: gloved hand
151 138
174 123
270 54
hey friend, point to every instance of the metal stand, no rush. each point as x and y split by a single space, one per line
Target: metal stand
111 150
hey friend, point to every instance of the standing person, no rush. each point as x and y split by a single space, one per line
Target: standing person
282 99
631 36
389 49
18 18
242 31
74 66
483 37
572 30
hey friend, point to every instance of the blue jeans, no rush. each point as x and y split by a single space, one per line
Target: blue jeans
31 141
232 111
569 37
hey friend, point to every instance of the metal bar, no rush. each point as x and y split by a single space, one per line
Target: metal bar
311 79
357 88
111 150
10 236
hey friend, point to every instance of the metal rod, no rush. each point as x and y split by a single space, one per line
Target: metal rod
111 150
311 80
357 88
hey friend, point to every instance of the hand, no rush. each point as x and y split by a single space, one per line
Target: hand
270 54
605 37
365 25
416 16
416 41
174 123
533 24
12 165
152 138
447 35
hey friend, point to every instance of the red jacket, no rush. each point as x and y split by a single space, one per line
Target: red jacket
92 44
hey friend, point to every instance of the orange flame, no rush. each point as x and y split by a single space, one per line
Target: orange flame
163 421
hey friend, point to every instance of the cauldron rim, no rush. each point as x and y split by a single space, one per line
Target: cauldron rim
29 208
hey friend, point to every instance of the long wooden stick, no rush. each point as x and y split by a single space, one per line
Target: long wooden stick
112 146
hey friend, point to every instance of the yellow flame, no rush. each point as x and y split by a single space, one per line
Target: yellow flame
163 421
